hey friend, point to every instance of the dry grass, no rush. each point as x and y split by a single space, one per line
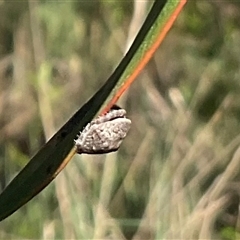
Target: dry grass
176 175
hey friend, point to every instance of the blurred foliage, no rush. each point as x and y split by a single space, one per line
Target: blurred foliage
177 173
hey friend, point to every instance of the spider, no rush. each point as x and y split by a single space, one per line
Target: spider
105 133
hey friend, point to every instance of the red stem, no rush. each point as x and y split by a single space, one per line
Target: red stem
148 55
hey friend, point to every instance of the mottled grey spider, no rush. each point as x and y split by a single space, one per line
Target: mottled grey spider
105 133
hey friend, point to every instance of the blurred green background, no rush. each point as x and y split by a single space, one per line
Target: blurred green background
176 175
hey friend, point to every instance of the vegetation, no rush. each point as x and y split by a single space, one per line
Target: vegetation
176 175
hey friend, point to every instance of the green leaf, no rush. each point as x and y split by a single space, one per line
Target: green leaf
47 163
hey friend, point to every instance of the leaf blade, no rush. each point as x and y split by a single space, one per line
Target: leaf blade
56 153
